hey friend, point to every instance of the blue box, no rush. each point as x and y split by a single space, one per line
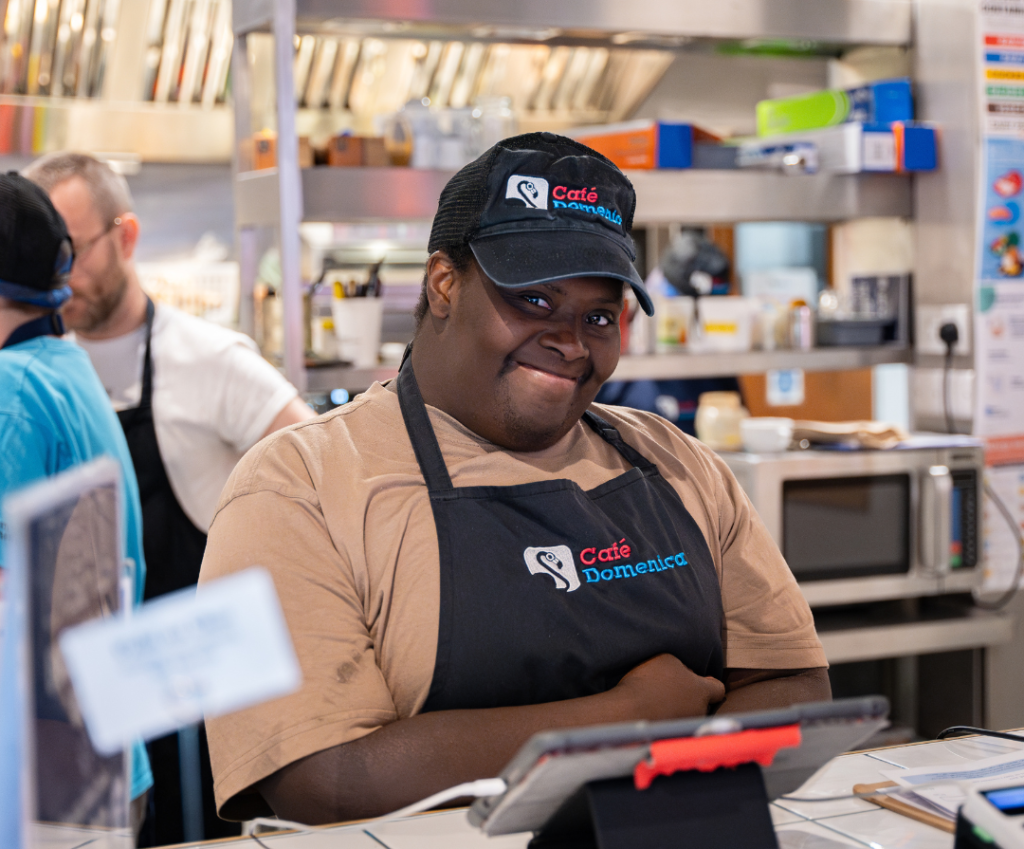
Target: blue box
881 103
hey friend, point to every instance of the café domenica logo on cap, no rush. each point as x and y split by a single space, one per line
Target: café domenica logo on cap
533 192
530 191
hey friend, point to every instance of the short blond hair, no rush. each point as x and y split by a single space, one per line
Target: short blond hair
109 190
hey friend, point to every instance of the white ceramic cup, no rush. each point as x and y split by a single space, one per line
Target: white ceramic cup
766 435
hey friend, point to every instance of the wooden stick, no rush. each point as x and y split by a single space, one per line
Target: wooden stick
893 804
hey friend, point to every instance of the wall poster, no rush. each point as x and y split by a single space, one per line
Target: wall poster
999 286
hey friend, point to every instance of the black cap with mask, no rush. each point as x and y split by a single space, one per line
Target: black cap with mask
35 249
537 208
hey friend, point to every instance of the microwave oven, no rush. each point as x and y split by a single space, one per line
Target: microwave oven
857 526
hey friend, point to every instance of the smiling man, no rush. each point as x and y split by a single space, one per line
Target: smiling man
476 552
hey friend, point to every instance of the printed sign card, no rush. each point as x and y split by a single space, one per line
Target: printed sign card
181 657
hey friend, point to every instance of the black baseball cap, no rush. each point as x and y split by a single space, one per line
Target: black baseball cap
35 249
540 207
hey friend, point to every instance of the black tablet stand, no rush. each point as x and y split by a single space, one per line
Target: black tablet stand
726 808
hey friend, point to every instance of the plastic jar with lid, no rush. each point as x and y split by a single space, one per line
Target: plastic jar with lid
718 420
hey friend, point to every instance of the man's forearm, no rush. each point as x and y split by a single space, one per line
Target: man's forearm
764 689
415 757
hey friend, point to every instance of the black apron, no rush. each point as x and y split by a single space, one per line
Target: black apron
172 544
550 592
174 547
50 324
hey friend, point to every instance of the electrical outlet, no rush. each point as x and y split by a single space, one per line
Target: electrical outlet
930 317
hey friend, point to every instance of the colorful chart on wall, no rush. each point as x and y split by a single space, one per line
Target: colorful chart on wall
1000 548
999 285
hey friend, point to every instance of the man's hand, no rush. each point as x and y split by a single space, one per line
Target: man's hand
664 688
412 758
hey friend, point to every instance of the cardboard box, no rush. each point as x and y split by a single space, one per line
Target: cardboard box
645 144
880 102
264 151
852 148
917 147
345 151
375 155
305 152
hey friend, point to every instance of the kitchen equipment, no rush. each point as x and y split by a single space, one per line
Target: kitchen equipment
493 120
852 332
718 418
992 816
357 326
873 309
725 323
766 434
398 139
673 317
868 525
801 327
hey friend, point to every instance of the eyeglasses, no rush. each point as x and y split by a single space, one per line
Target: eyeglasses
82 250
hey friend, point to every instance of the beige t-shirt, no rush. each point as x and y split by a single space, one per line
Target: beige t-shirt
337 510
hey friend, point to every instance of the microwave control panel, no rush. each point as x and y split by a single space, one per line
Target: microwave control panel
964 540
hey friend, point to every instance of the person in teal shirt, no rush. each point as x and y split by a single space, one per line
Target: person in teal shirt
54 412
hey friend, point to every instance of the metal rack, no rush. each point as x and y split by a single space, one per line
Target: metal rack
140 81
831 21
682 197
670 366
285 196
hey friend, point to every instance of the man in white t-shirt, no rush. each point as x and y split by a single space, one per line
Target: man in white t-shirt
191 396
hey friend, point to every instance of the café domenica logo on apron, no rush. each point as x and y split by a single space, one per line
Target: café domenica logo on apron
557 562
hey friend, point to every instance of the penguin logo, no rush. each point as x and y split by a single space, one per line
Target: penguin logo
556 562
523 190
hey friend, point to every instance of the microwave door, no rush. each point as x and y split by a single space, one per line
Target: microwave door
847 527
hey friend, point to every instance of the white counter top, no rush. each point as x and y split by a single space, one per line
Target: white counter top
799 825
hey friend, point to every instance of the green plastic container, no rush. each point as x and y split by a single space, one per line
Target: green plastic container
803 112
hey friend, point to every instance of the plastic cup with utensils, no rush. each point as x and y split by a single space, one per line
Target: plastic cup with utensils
357 326
766 434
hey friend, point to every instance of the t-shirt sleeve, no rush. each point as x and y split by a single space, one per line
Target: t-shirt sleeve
22 461
271 517
768 623
251 395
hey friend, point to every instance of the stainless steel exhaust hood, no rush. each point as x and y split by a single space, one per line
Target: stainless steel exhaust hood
65 63
548 85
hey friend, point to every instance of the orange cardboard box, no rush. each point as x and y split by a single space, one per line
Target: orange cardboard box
374 153
645 144
264 151
345 151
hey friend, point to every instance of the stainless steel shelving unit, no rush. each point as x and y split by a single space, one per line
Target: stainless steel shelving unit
668 366
829 21
979 628
285 196
684 197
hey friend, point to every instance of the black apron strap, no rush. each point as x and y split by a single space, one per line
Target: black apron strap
50 324
421 434
428 452
610 435
147 362
146 399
